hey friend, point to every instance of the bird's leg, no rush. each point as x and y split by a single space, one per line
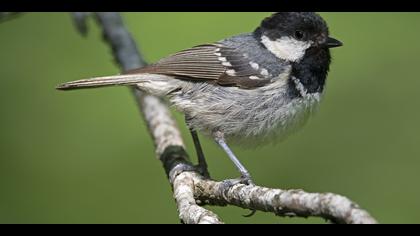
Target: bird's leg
202 164
245 176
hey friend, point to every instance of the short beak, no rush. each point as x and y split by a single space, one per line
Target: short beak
333 43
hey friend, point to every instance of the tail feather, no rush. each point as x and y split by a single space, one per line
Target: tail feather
101 82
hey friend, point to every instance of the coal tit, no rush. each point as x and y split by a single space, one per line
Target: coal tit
251 88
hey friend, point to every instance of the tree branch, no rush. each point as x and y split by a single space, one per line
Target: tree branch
333 207
189 187
168 142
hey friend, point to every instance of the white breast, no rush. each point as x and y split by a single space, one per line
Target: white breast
250 117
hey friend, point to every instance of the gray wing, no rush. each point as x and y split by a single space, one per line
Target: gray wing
213 63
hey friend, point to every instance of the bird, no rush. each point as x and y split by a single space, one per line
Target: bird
249 89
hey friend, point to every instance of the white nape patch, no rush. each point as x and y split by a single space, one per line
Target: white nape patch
286 48
264 72
254 77
222 59
231 72
254 65
227 64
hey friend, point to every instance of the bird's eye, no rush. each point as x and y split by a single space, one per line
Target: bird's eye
299 34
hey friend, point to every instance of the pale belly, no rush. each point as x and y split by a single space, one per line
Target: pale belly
244 116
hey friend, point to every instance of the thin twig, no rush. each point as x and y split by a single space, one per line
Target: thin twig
333 207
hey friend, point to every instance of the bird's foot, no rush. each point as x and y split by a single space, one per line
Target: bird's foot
229 183
185 168
179 168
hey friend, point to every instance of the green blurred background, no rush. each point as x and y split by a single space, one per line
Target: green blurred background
86 157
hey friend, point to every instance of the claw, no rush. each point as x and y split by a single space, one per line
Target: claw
186 167
248 181
227 184
179 169
250 214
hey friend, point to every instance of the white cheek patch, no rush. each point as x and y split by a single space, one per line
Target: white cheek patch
286 48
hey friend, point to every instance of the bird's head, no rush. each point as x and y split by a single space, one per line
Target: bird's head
289 34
